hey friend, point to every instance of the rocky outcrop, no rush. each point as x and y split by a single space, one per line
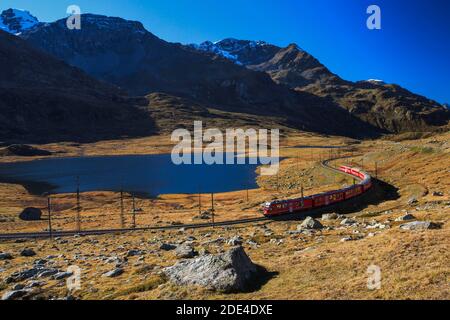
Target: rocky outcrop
420 226
23 151
31 214
310 223
42 99
232 271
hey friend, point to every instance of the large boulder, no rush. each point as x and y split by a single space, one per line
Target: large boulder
310 223
23 151
231 271
419 226
31 214
185 251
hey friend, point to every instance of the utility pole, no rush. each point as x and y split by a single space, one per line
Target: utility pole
376 169
122 220
134 212
212 209
199 202
50 230
303 196
78 206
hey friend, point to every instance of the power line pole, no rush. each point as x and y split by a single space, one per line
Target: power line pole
134 212
199 202
212 209
376 169
50 230
78 206
122 220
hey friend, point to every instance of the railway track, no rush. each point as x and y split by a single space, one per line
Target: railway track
59 234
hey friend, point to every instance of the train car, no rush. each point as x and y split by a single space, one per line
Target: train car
352 192
277 208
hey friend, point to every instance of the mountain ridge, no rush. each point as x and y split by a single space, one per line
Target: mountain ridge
267 80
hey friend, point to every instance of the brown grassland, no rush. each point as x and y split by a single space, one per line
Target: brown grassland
415 265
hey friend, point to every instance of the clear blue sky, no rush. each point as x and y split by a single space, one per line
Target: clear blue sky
412 49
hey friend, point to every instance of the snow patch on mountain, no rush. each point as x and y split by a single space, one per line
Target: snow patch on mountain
229 48
16 21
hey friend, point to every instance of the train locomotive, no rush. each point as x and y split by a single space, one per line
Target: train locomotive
278 208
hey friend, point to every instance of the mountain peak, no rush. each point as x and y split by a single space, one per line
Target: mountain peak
241 52
16 21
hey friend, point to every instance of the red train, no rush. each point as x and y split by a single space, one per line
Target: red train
277 208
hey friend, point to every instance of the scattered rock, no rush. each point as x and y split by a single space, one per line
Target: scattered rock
31 214
18 286
229 272
134 253
185 251
420 225
47 273
5 256
330 216
14 295
348 222
167 247
406 217
310 223
438 194
113 273
236 241
62 275
412 201
27 253
346 239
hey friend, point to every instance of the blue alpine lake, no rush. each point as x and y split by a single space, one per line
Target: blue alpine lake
144 175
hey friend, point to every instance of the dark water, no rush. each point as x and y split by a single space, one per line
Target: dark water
146 175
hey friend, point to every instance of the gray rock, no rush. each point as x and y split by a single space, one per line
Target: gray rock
185 251
27 253
14 295
17 287
412 201
167 247
5 256
31 214
134 253
406 217
228 272
419 226
438 194
47 273
113 273
236 241
330 216
23 275
346 239
62 275
310 223
34 284
348 222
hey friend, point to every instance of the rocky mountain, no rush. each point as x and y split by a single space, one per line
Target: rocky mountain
235 76
16 21
125 54
43 99
388 107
